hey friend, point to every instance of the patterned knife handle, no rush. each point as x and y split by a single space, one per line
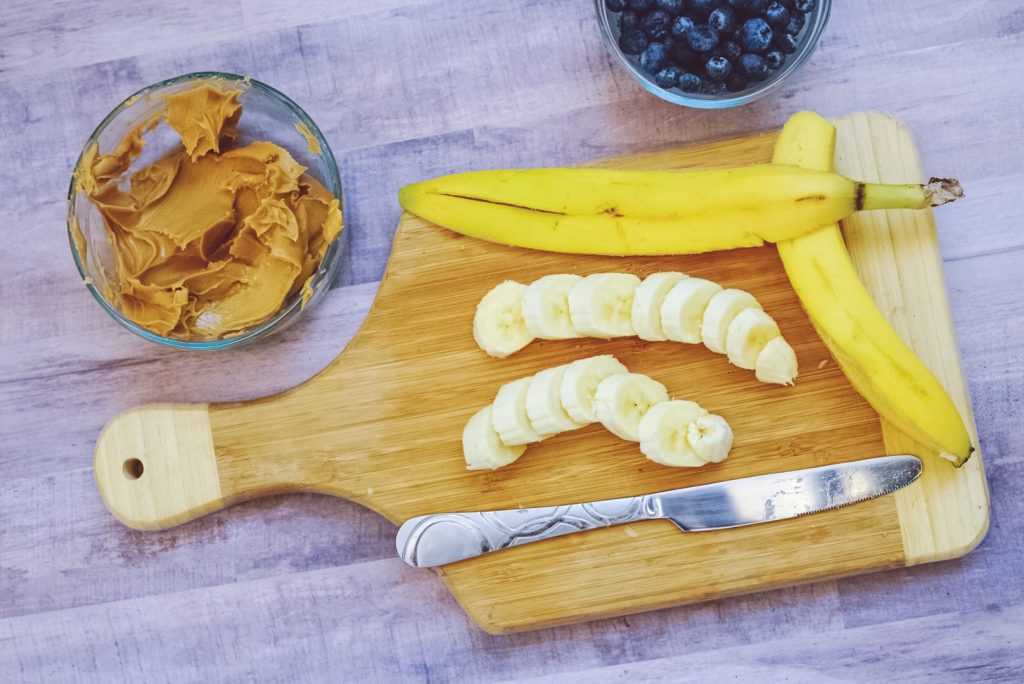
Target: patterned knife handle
431 540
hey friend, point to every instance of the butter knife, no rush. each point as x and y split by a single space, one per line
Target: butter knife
430 540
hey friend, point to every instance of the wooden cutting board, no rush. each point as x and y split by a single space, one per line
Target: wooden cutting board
382 424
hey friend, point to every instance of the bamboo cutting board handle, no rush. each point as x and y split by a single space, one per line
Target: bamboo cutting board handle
156 467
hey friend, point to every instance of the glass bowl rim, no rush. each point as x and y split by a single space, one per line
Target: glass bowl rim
328 265
821 15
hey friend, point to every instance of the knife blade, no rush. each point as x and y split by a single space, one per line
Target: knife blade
440 538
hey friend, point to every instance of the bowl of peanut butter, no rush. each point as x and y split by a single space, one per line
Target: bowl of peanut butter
206 212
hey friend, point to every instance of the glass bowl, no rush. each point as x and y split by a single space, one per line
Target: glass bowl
267 114
808 37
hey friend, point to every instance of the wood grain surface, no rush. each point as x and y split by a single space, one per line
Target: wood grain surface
381 425
307 588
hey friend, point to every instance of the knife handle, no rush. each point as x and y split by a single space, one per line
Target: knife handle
427 541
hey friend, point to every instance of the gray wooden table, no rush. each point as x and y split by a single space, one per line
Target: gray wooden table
305 588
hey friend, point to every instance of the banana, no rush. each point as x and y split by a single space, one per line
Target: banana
544 403
601 305
776 363
722 308
682 311
546 307
664 434
879 365
710 437
498 325
646 313
509 416
622 400
579 385
748 334
481 446
616 212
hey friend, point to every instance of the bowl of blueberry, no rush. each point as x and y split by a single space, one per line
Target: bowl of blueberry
711 54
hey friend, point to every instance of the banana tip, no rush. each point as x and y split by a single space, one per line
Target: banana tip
941 191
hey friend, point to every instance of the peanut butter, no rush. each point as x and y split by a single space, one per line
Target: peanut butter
208 243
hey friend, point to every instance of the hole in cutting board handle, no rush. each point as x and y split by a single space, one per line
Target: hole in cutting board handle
133 468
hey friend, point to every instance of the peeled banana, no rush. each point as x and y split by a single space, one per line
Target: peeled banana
632 406
615 212
664 306
877 362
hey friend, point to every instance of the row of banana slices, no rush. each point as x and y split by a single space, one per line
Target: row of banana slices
663 306
596 389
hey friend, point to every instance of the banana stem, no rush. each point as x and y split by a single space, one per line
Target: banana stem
936 192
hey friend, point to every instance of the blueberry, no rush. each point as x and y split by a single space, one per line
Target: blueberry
774 59
718 68
668 77
805 6
633 42
670 6
755 6
640 6
681 54
690 83
786 43
656 24
702 8
615 5
776 15
735 83
722 19
703 38
628 21
755 35
730 50
754 66
795 25
712 87
681 25
737 5
654 57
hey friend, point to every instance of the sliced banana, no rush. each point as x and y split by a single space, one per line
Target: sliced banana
544 403
546 307
663 433
579 385
498 326
682 311
776 363
646 313
710 437
601 305
622 400
509 417
481 446
721 309
748 334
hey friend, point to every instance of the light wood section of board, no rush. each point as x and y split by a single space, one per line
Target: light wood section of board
897 255
382 425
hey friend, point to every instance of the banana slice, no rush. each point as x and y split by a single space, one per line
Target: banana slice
646 313
663 434
683 309
722 308
498 326
622 400
748 334
710 437
601 305
776 363
509 417
481 446
579 384
544 403
546 307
